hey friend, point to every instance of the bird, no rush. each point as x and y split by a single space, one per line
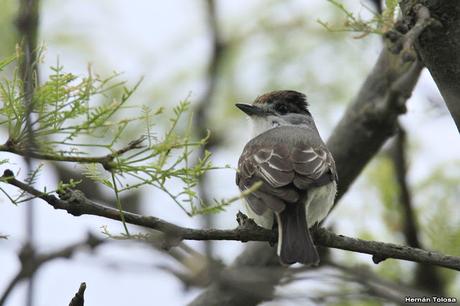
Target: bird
296 170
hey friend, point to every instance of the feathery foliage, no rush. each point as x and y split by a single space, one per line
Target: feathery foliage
76 119
378 24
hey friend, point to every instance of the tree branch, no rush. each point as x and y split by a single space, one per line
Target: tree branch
248 281
27 24
439 47
202 108
376 285
79 298
105 160
371 119
31 262
426 277
75 203
385 250
398 156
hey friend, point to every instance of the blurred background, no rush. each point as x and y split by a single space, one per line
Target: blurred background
217 54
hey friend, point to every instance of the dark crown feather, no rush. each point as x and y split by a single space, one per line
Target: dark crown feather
290 97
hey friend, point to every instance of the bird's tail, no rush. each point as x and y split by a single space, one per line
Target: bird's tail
294 241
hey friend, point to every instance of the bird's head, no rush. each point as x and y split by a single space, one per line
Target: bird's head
278 108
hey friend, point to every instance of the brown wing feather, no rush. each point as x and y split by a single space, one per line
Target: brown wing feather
283 171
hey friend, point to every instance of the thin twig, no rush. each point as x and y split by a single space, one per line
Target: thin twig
426 277
104 160
31 262
375 284
398 157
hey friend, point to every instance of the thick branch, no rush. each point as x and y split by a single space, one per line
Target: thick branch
372 118
439 47
77 204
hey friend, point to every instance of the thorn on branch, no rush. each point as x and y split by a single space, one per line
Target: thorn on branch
376 258
79 298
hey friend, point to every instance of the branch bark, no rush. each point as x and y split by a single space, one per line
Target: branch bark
75 203
439 47
372 118
79 298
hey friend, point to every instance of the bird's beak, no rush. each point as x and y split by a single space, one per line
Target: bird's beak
251 110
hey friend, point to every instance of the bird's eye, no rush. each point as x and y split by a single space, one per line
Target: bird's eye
281 108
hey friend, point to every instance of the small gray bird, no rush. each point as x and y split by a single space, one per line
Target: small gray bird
297 171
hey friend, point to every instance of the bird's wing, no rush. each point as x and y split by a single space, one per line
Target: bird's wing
284 172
